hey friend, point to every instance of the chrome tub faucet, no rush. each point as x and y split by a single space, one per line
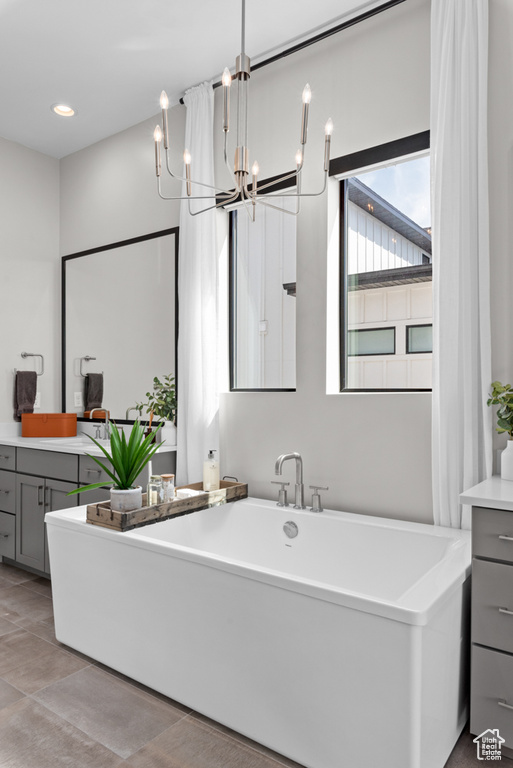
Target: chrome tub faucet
299 487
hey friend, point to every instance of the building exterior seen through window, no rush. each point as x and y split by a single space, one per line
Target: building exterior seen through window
386 322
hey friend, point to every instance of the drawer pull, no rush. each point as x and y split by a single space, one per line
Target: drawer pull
2 491
504 704
5 457
503 537
4 535
40 489
95 471
505 610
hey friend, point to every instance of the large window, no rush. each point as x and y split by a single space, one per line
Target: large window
386 263
263 298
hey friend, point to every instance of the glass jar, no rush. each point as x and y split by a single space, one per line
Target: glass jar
168 488
154 490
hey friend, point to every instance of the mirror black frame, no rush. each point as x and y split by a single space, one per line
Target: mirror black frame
110 246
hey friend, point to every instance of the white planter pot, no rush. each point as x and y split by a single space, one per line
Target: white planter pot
126 500
168 433
507 461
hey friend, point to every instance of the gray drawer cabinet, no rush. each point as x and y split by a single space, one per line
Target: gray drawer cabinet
492 623
34 497
7 535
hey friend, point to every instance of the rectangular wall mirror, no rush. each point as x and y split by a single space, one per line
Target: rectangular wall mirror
119 306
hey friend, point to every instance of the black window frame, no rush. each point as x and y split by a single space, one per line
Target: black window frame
417 352
358 162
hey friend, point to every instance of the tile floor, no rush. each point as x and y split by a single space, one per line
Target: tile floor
59 708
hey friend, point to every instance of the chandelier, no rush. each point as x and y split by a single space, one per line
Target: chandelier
253 194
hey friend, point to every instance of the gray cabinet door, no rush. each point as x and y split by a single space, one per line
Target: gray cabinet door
56 498
30 526
34 497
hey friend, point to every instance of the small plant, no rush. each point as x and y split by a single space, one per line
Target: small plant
502 395
162 401
128 457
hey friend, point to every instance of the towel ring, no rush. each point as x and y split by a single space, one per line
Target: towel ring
34 354
86 358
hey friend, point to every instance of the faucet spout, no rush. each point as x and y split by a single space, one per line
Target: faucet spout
299 488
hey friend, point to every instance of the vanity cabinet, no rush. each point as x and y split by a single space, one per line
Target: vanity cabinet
492 623
35 496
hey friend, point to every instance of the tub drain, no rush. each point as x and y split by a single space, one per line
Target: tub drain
291 529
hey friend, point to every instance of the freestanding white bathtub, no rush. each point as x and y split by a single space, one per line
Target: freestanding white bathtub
343 646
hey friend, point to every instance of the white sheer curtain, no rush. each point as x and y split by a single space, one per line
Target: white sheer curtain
198 394
462 425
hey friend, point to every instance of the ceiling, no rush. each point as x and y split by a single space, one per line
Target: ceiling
110 59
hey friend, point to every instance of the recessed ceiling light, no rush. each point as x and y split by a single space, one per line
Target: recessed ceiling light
64 110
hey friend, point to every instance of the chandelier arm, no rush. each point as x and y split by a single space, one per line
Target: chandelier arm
301 194
218 190
211 207
294 175
198 197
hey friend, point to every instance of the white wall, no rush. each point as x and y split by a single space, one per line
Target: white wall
30 271
372 450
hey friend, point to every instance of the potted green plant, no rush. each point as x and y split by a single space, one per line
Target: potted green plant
502 395
162 403
128 458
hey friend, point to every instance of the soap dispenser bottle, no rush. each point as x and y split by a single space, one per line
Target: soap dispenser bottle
211 473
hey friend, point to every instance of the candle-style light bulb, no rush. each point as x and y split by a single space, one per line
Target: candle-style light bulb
164 104
226 80
157 135
255 168
187 161
299 158
307 95
328 130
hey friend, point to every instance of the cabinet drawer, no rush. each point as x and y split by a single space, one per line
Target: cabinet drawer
7 491
492 682
7 535
7 457
61 466
492 595
90 472
492 533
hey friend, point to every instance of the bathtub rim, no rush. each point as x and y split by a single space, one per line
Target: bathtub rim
415 607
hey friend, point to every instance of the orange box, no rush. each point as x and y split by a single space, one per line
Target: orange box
48 424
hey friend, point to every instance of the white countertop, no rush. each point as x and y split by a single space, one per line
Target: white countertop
80 444
494 492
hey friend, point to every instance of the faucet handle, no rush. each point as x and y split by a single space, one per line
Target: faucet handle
282 494
316 496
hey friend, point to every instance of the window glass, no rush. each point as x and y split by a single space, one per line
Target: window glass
366 341
263 298
419 338
387 267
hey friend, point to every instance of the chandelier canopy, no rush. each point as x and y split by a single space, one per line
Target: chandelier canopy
253 194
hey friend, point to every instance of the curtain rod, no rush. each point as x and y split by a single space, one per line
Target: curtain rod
321 36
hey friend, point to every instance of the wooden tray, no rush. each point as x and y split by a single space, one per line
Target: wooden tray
101 513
